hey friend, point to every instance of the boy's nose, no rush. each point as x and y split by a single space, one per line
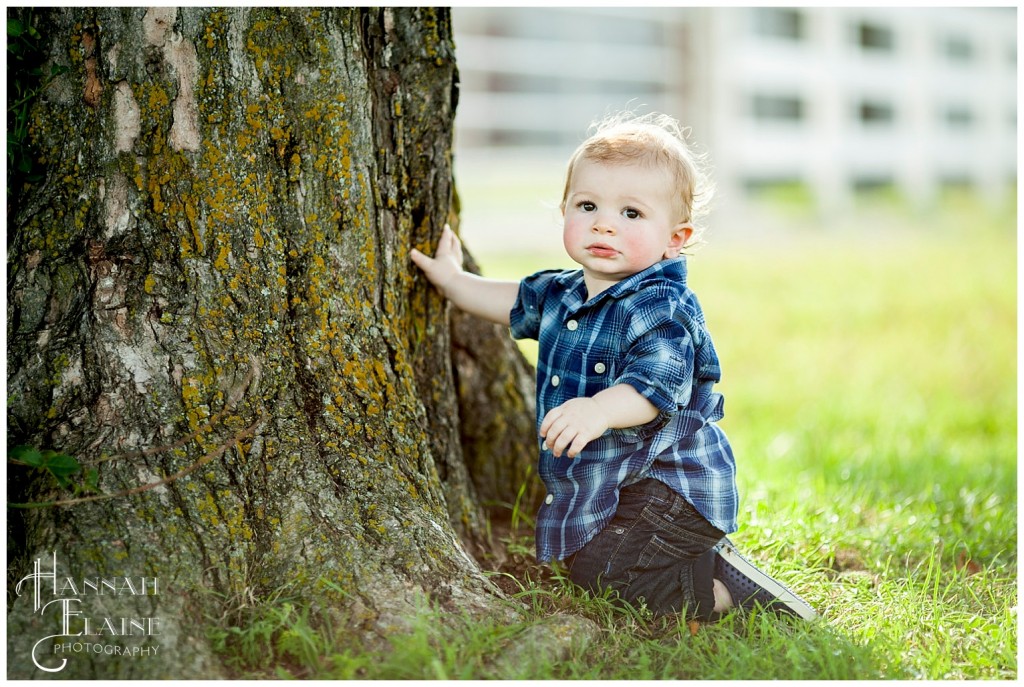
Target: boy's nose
602 227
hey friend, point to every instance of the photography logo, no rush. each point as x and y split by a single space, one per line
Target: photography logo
63 597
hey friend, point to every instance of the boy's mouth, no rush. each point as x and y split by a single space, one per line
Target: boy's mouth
602 250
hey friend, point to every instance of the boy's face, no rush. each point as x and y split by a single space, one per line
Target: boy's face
620 219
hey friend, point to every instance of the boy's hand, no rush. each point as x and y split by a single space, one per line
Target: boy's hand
573 425
578 421
446 263
491 299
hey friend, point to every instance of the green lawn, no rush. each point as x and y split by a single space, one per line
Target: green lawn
870 380
871 396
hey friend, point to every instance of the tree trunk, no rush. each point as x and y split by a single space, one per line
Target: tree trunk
211 305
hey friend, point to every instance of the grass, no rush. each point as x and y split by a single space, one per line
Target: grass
870 381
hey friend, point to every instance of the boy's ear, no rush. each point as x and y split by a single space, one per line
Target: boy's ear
678 239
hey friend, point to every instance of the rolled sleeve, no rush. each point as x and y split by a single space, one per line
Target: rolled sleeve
659 361
525 316
664 381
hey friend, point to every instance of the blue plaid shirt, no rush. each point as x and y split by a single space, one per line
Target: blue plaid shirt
647 331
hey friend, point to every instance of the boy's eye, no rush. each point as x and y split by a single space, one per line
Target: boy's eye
632 213
586 206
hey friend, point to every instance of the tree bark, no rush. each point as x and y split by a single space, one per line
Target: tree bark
210 304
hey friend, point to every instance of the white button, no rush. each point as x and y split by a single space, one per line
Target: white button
599 368
572 325
549 500
555 381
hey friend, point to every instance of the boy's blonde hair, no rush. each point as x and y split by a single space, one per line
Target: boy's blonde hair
653 139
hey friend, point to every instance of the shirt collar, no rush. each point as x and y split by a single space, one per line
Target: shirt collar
575 290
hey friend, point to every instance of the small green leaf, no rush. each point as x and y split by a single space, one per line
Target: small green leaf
90 483
15 27
60 464
28 455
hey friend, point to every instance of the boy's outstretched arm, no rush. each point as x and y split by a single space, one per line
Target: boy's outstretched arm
489 299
